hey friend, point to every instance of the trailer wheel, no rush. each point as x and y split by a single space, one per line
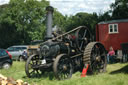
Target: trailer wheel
95 56
31 66
62 67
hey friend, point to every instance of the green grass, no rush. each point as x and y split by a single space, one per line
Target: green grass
117 74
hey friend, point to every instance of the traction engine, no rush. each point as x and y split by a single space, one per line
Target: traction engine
66 53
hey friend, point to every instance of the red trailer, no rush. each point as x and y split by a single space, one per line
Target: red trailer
113 33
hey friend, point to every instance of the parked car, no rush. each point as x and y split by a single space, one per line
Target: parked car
16 51
5 59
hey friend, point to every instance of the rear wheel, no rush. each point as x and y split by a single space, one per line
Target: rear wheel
6 65
95 56
62 67
83 37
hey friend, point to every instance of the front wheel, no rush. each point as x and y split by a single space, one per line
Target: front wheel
32 66
62 67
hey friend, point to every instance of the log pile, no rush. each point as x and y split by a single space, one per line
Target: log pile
10 81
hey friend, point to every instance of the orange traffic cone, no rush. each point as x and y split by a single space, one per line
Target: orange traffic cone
84 72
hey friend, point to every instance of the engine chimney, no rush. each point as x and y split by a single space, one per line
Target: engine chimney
49 17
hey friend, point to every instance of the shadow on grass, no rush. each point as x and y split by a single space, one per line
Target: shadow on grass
122 70
49 75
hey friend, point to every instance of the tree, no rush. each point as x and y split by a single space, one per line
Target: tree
59 20
22 21
120 9
104 16
82 19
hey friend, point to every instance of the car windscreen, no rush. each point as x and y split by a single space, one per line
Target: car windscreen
14 49
23 48
17 48
10 49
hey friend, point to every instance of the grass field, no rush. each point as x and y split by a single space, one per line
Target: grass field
117 74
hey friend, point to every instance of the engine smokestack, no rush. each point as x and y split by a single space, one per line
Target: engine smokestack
49 18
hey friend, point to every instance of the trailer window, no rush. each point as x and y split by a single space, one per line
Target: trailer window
113 28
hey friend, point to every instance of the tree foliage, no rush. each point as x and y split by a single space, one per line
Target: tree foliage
81 19
120 9
22 21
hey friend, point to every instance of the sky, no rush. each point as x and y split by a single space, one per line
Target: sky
71 7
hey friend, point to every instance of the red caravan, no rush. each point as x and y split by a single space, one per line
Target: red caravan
112 33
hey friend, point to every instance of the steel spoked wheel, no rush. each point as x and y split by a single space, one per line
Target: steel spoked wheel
95 56
62 67
32 66
83 37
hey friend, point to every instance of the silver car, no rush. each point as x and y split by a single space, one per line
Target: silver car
16 51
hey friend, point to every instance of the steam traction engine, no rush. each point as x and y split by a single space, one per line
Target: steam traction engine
66 53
